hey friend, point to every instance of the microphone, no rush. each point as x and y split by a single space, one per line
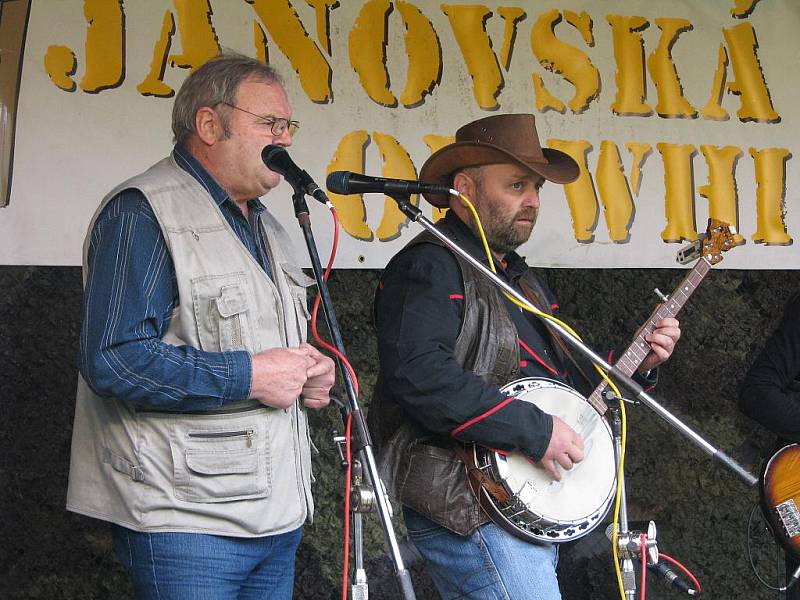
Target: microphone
347 182
663 570
277 159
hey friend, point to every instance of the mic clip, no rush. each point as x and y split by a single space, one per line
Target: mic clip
609 396
629 543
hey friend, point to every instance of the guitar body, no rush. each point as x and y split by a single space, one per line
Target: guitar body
780 497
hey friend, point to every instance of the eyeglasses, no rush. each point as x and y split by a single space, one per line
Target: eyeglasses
277 124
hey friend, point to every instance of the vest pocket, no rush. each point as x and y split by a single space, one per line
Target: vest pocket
299 282
220 465
222 313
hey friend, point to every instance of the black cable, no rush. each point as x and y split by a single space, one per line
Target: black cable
750 553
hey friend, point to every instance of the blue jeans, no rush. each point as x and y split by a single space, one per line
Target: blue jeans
489 564
194 566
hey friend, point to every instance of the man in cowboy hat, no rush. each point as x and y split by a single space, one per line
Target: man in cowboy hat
448 341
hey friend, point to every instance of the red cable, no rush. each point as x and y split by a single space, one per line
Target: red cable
315 310
642 549
689 574
348 425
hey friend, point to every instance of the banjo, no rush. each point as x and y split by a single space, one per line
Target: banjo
518 494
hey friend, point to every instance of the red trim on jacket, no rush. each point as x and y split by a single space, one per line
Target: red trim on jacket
530 351
482 416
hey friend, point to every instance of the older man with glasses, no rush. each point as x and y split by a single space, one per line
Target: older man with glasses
190 429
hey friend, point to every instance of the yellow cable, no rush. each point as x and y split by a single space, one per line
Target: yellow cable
620 471
603 374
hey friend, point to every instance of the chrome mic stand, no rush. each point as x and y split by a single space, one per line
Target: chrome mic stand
362 442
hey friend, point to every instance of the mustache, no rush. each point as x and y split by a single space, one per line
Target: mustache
526 213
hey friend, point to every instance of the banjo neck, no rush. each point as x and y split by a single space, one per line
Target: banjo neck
638 350
708 249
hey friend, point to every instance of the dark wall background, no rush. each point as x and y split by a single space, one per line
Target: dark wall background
700 510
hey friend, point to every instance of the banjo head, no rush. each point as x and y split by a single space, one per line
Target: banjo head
566 509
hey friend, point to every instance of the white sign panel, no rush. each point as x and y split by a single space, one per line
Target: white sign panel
676 110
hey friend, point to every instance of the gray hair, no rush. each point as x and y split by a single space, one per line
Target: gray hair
215 82
474 173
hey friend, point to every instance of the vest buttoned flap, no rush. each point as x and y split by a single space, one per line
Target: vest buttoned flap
220 462
289 280
222 312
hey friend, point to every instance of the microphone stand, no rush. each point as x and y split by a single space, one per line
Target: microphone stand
415 214
629 543
362 445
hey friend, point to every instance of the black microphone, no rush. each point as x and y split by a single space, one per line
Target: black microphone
277 159
662 569
347 182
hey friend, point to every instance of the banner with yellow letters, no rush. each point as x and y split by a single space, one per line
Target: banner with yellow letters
676 111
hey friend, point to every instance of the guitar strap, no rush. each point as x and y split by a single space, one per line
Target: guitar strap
478 479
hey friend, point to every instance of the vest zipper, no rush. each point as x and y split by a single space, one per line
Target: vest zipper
220 411
236 335
301 481
259 231
250 434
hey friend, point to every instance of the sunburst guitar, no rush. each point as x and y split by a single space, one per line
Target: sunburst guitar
780 497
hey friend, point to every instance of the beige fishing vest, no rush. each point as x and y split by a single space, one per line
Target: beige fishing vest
244 470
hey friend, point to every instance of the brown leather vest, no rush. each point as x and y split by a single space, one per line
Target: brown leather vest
421 469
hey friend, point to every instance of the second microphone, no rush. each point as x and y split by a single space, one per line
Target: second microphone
347 182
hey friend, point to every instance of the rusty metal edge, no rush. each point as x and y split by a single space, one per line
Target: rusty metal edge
14 16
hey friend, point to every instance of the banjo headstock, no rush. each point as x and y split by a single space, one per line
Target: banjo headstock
718 238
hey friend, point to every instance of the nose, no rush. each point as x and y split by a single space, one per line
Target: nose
531 199
284 139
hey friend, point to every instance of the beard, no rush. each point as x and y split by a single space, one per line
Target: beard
506 232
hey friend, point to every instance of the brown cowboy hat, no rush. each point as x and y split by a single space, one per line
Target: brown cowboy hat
492 140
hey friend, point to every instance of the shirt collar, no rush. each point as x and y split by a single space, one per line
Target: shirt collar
191 165
514 266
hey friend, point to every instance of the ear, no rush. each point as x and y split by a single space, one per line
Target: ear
464 184
208 125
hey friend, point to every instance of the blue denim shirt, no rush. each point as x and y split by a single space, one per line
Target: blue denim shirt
130 294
